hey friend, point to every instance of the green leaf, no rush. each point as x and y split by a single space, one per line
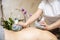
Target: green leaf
8 24
11 21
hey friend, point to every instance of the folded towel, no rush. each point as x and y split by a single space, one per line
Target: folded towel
1 33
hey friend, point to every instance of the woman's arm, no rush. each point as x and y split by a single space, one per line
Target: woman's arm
32 18
54 25
37 14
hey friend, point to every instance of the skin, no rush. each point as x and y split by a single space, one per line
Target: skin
30 33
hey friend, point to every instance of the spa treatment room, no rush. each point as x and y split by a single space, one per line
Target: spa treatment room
29 19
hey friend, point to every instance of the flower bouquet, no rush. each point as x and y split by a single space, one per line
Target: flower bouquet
10 24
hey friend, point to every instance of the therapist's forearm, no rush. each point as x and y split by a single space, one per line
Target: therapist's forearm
55 25
34 17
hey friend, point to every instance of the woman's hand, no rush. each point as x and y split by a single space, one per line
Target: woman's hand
46 26
52 26
22 24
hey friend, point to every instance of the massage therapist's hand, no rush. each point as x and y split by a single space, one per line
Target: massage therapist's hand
22 24
51 26
46 26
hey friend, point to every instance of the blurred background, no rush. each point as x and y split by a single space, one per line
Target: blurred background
15 8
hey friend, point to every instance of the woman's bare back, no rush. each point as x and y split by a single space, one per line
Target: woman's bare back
29 33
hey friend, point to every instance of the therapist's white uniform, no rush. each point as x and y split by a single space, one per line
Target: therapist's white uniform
51 11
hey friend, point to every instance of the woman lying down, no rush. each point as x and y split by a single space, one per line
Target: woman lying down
29 33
